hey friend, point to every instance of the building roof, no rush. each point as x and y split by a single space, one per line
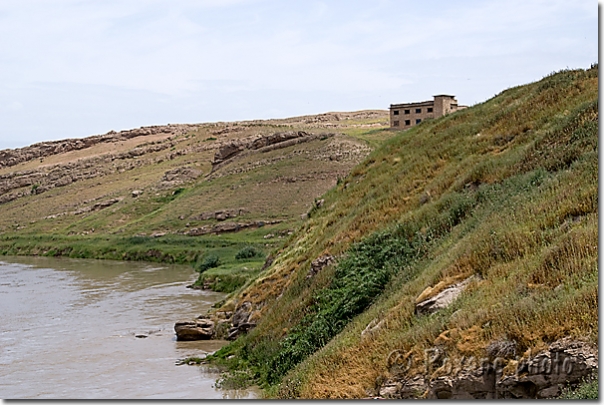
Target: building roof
418 104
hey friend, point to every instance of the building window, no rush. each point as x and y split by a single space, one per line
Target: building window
418 110
407 122
395 112
430 109
395 124
407 111
453 106
417 121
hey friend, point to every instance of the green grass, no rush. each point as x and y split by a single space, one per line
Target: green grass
213 256
587 389
506 190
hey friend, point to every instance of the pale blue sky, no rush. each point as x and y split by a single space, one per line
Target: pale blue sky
75 68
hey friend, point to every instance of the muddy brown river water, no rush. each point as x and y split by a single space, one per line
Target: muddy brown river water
68 331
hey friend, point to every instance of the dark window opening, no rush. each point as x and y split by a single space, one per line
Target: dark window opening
430 109
417 121
418 110
407 122
407 111
396 123
453 105
395 112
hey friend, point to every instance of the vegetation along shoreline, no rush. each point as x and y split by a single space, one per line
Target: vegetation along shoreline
454 259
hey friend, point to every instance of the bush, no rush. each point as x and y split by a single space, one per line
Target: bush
359 279
588 389
208 262
247 253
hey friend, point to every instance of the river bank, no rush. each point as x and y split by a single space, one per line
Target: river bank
229 272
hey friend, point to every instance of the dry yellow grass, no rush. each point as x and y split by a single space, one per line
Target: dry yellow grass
527 159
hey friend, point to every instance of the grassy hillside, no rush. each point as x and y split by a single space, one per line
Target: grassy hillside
158 193
505 191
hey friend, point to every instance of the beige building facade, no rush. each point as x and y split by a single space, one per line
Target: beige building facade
403 116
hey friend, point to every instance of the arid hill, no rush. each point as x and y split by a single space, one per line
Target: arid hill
168 193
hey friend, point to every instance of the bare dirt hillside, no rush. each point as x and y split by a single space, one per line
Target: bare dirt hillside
238 172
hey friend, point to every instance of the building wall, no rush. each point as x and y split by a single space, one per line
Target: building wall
407 115
444 105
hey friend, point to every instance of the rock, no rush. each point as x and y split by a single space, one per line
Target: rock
413 388
236 331
263 143
223 314
442 299
318 264
136 193
246 327
242 313
179 176
240 321
226 152
141 335
41 150
199 329
566 361
390 389
226 227
505 349
222 329
372 327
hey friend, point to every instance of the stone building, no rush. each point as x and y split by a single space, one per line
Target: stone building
407 115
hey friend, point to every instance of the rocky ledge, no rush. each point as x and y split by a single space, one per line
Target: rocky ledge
198 329
262 143
566 361
221 325
12 157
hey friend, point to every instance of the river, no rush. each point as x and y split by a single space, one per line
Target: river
68 331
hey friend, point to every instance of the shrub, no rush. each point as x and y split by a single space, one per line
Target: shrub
587 389
359 279
247 253
208 262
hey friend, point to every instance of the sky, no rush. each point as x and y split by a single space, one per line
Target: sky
76 68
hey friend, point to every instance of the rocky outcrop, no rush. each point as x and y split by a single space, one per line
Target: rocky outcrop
18 184
318 264
98 206
443 299
262 143
221 215
339 149
12 157
198 329
227 227
241 321
220 325
565 361
180 175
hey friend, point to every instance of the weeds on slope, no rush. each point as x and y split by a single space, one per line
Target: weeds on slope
518 174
